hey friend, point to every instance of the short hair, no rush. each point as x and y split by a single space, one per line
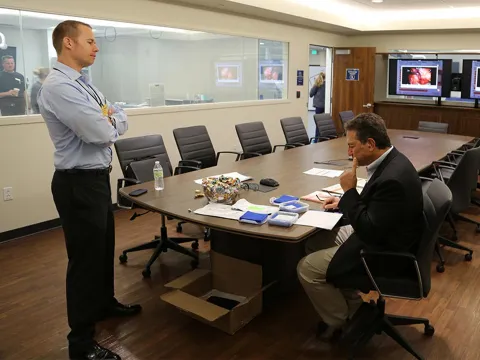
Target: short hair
68 28
6 57
369 125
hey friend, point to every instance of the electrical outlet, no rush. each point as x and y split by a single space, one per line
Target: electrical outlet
7 193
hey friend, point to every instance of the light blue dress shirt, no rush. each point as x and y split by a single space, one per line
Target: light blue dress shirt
81 134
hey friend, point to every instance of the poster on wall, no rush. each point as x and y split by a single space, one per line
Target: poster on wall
313 72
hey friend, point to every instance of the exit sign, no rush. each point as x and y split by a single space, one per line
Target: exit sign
314 52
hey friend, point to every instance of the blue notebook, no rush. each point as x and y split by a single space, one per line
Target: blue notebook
284 198
253 218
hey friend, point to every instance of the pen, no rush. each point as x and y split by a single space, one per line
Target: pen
332 193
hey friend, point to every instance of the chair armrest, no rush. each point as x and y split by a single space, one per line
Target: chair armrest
322 138
122 182
184 169
423 178
366 254
228 152
286 146
194 163
445 163
295 144
242 156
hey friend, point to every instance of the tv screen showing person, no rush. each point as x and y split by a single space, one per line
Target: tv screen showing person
419 77
271 73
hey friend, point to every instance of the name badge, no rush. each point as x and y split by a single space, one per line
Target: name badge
105 110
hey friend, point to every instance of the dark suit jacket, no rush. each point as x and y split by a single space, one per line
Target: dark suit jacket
387 215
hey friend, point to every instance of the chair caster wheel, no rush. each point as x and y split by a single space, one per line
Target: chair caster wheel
429 330
179 228
440 268
146 273
468 257
123 258
195 246
194 264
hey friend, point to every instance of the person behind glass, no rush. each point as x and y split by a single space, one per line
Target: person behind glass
317 92
12 88
386 216
41 74
83 125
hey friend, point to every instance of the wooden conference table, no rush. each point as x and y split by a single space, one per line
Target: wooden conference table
265 244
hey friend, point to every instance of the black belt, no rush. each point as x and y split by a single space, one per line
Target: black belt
104 171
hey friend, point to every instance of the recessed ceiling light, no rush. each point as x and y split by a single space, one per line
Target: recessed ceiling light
377 1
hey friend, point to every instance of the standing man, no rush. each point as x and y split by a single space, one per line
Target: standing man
83 126
12 89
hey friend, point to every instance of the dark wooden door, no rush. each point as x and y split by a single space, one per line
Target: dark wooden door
353 81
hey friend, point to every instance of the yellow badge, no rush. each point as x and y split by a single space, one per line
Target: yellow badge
105 110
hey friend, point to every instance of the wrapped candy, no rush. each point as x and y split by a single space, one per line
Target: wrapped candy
221 190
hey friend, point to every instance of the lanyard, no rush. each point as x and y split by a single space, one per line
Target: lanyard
95 95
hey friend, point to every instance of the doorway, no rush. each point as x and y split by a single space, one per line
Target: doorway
320 61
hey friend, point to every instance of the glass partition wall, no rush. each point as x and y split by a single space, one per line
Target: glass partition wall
142 65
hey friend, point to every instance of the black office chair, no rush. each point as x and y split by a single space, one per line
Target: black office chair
254 140
412 281
137 157
346 116
325 126
195 146
461 182
295 132
436 127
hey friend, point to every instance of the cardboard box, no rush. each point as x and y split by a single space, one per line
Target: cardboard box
230 279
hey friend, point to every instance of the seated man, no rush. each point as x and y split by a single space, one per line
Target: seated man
387 215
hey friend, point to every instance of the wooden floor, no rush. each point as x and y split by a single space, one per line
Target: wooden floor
33 323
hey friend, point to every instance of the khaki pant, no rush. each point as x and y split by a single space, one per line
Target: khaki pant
333 305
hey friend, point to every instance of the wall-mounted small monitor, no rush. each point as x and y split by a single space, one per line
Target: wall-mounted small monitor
271 72
430 78
471 79
228 73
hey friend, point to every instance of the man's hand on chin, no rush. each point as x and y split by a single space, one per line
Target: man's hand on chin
348 180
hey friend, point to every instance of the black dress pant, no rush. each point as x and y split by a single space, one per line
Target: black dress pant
318 110
83 201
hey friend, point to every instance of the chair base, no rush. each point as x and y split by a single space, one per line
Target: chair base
161 244
371 319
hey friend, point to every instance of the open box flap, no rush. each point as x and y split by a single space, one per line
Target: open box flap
194 305
235 276
186 279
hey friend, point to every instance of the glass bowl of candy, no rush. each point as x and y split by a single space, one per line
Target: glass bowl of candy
221 190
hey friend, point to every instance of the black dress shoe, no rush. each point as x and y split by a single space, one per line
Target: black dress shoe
119 310
96 353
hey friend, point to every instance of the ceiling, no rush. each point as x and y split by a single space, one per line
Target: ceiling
354 17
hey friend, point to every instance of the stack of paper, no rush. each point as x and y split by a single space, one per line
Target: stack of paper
219 210
337 189
324 172
319 219
316 196
232 175
244 205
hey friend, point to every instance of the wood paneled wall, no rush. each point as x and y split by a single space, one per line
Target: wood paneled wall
461 121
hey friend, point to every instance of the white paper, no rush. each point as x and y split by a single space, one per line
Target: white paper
219 210
319 219
244 205
337 189
232 174
324 172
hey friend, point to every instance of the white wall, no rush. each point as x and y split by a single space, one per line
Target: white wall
29 167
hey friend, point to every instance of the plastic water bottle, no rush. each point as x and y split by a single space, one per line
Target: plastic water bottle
158 176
